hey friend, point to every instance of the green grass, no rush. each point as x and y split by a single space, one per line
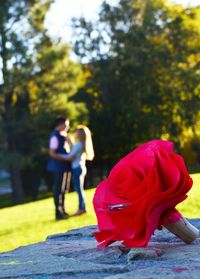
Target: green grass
190 208
33 222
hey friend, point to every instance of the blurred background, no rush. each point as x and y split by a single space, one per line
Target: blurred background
129 69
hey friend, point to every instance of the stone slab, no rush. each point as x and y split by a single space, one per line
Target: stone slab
74 254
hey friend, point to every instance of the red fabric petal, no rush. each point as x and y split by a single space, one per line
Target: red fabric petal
140 193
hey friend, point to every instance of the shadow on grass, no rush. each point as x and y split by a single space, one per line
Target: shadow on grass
6 199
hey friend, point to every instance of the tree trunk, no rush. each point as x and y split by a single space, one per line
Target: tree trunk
18 196
16 183
7 115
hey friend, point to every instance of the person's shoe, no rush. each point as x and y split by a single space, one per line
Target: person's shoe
66 214
61 216
80 212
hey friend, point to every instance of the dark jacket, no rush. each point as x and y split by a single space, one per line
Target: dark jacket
57 165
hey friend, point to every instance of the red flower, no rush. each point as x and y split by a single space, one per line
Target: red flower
139 193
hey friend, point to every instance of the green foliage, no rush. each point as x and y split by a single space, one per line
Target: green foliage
143 82
38 78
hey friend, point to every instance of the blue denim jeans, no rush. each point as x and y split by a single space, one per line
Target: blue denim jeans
78 177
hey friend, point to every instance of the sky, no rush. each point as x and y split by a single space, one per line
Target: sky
59 18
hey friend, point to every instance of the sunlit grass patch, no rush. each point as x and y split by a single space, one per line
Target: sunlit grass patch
191 206
33 222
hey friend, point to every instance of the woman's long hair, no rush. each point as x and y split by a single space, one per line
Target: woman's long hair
86 138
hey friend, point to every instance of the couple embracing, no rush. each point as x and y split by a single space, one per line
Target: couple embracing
68 160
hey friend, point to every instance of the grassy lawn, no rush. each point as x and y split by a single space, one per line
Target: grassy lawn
191 206
33 222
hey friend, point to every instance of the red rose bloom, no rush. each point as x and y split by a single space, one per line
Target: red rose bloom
139 193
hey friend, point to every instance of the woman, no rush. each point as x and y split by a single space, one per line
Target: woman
81 151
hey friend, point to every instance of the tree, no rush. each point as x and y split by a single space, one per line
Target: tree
38 78
143 82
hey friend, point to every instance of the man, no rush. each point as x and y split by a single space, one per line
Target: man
61 169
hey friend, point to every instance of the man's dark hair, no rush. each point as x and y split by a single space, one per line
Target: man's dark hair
60 120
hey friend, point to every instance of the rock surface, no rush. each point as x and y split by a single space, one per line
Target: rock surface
74 255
